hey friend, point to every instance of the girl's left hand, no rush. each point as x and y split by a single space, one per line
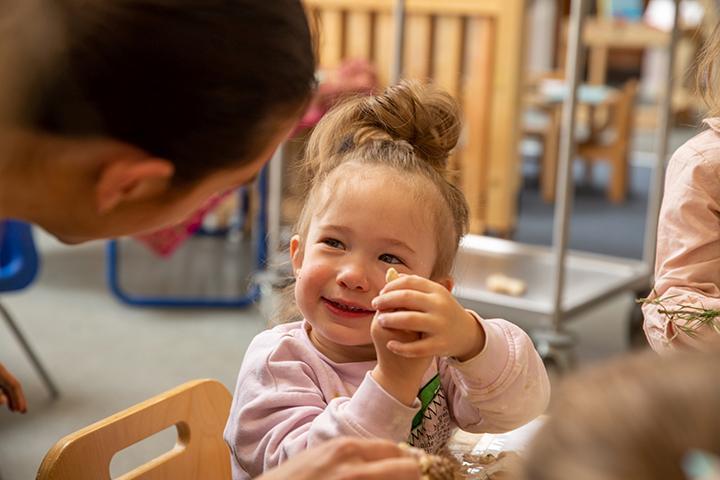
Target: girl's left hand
416 304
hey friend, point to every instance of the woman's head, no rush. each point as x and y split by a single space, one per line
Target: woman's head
378 198
632 418
208 87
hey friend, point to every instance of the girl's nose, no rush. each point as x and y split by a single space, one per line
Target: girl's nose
354 277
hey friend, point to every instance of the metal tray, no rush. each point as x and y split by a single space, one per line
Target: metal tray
590 278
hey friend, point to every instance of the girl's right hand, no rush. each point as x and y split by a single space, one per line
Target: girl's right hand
399 376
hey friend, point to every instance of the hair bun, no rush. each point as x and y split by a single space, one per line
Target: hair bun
422 115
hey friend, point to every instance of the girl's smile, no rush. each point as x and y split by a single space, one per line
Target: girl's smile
351 241
346 309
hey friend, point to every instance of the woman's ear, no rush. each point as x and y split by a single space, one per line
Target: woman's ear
127 178
295 254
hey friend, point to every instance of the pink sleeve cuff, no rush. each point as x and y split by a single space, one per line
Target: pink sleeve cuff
492 359
379 413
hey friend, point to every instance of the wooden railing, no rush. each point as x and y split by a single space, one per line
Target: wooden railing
472 49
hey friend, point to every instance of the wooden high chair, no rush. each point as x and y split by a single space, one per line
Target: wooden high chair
198 409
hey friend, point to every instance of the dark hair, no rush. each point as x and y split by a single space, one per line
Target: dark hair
201 83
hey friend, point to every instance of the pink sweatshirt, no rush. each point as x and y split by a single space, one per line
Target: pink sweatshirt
290 397
688 243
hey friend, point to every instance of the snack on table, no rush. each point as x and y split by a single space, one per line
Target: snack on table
499 283
433 467
391 275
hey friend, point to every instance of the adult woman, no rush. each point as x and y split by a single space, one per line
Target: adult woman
118 117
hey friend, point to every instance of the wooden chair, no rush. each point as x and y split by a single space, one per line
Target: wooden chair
612 143
609 133
470 48
199 410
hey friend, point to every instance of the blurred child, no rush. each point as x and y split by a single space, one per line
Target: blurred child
355 363
639 418
687 269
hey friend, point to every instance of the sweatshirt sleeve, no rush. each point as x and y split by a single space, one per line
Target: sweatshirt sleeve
501 388
687 269
284 403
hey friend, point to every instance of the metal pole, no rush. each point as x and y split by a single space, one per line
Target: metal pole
661 146
37 364
564 189
399 45
274 206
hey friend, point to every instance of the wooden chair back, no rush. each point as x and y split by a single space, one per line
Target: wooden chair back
623 117
615 148
472 49
199 410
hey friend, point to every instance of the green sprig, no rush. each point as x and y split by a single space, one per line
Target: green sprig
685 318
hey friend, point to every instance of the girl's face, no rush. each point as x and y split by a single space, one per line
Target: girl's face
372 222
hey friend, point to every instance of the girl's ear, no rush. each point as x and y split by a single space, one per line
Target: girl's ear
447 282
295 253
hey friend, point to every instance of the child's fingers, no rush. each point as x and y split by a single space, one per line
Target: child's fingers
425 347
402 299
382 335
406 320
410 282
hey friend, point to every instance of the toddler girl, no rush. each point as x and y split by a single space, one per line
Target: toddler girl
687 268
401 360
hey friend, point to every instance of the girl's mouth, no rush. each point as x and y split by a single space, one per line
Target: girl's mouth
346 310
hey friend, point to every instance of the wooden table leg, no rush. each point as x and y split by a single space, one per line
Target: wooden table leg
551 147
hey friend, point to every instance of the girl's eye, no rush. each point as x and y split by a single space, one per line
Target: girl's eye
332 242
391 259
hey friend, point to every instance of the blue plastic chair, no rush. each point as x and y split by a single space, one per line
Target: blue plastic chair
18 268
243 299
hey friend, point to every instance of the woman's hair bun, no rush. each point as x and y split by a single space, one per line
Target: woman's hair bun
420 114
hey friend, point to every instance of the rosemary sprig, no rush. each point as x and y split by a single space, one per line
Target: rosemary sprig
687 319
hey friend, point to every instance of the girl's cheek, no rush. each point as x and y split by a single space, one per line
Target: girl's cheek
316 272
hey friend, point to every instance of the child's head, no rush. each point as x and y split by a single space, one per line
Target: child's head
378 198
632 418
708 75
209 87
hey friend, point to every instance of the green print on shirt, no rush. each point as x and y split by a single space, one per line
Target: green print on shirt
426 396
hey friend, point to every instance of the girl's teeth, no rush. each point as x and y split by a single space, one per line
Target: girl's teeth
349 308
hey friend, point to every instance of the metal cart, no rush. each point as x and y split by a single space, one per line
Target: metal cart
561 283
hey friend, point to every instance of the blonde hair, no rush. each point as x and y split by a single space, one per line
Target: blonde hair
632 418
707 80
411 128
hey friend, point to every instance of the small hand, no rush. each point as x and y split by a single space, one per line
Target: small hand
348 458
416 304
11 392
398 375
